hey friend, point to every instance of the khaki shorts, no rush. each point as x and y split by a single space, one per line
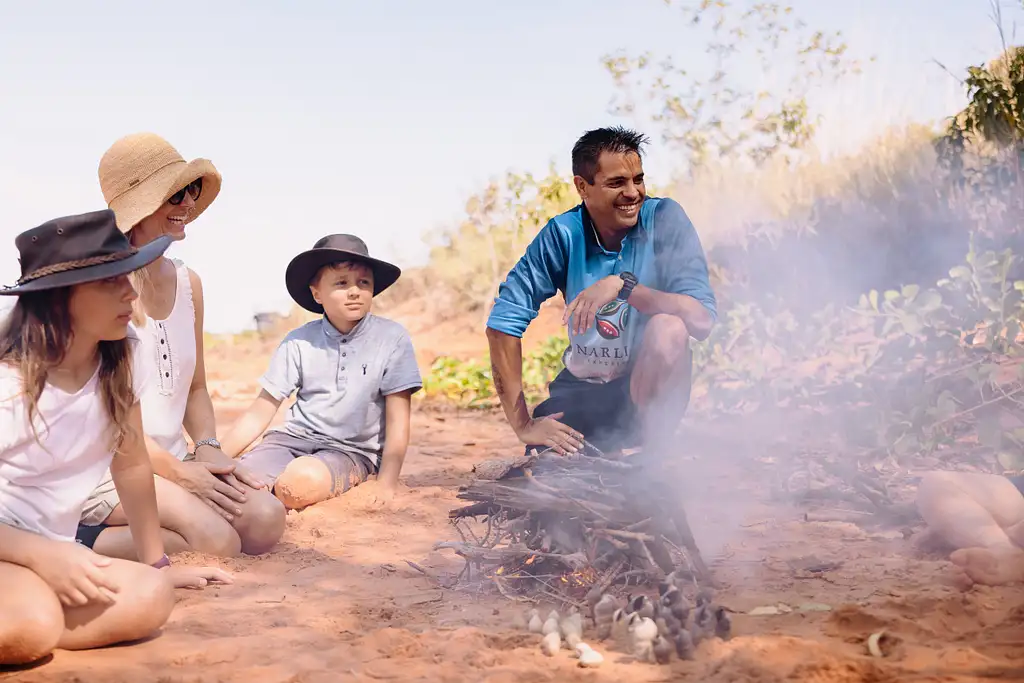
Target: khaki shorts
104 499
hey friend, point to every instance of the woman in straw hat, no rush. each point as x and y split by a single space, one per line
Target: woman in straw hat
208 503
69 410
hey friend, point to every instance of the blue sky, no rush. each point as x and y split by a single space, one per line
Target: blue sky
380 118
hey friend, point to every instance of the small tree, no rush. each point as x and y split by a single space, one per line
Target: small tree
722 111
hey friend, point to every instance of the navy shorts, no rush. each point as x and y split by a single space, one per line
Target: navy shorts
604 413
1018 481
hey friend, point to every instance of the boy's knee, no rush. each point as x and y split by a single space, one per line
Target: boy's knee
304 482
31 631
262 523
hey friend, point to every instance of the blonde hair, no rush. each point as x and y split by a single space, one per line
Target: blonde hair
142 281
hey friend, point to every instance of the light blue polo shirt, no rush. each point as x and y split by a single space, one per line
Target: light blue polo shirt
341 380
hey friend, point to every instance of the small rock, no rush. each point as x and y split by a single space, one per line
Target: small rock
764 611
590 659
550 644
534 625
814 607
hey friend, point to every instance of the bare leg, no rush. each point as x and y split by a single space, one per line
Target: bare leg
31 618
143 604
33 623
982 517
261 524
660 382
202 529
304 482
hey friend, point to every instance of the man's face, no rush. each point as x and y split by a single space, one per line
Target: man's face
618 191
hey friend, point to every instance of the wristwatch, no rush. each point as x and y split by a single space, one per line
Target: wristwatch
206 442
629 281
162 562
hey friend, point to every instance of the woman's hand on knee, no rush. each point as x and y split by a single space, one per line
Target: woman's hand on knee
200 478
76 574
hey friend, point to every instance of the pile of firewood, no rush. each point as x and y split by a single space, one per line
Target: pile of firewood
573 525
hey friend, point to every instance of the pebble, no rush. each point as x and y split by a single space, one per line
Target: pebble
550 644
590 659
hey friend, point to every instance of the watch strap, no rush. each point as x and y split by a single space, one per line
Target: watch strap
206 442
162 562
629 281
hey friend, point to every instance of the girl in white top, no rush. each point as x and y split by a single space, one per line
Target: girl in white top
208 502
68 412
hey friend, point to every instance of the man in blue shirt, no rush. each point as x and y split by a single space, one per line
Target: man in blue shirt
633 272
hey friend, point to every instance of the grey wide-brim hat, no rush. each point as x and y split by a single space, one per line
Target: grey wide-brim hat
332 249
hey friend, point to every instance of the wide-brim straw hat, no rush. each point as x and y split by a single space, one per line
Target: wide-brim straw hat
140 172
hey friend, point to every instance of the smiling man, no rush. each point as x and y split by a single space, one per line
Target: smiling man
634 275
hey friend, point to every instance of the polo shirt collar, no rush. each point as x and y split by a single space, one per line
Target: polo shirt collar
332 332
591 238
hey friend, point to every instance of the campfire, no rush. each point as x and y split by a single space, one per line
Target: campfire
571 527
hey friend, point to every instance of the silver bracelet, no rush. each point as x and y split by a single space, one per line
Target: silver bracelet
206 442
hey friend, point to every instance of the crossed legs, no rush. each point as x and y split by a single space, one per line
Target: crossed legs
190 524
33 622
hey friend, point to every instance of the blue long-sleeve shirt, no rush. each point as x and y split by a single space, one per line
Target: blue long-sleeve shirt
663 252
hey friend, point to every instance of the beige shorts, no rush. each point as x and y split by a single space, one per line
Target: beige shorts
104 499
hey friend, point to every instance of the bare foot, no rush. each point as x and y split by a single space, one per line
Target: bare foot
989 567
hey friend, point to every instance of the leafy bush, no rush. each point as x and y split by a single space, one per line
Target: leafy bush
468 384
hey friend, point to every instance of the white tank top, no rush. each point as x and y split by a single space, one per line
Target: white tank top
168 347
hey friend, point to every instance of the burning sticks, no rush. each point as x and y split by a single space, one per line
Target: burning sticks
564 526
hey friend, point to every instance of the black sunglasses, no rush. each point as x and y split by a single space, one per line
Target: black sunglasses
194 189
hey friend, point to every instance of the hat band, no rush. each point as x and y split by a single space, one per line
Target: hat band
64 266
140 181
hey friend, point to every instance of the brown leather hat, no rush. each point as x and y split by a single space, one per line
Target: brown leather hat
332 249
77 249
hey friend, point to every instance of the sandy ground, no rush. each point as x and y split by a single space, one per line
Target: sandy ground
338 601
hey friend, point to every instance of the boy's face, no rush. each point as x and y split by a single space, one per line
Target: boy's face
345 290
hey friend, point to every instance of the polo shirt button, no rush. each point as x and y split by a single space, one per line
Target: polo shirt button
342 367
343 354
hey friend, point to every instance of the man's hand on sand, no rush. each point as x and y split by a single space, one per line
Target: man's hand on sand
381 494
548 431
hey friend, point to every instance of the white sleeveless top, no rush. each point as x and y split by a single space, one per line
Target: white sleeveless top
168 348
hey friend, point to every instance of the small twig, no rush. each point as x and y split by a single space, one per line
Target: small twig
555 492
639 525
853 516
504 592
418 568
983 404
628 535
271 602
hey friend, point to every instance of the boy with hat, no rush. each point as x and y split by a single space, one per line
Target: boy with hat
354 374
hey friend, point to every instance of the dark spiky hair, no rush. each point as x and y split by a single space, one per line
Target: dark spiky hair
616 140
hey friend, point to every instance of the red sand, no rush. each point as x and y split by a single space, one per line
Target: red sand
337 601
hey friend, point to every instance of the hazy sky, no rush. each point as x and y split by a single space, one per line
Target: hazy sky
379 118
